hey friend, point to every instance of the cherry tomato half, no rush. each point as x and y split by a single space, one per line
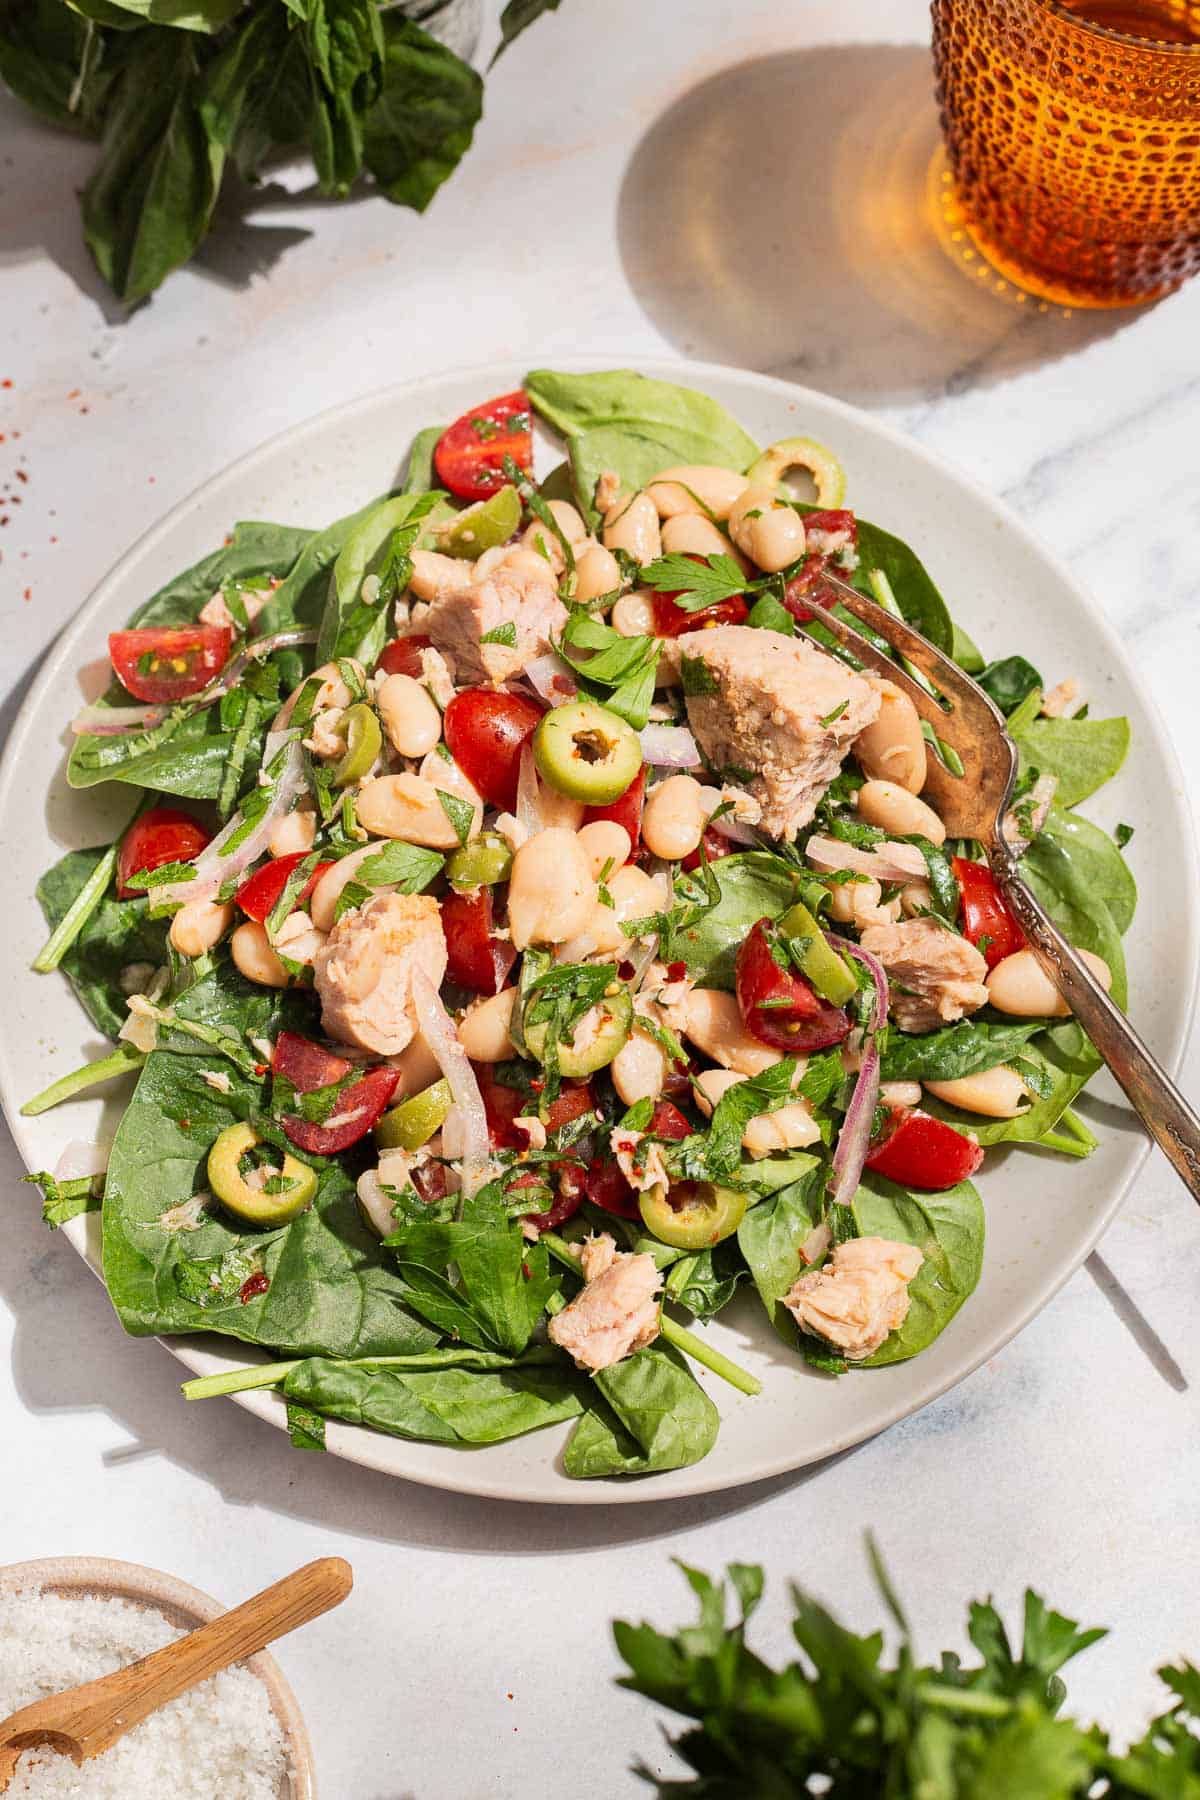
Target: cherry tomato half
485 731
923 1152
778 1006
306 1065
603 1182
626 810
984 913
164 665
403 655
475 958
164 834
671 620
359 1107
716 845
259 893
568 1179
469 457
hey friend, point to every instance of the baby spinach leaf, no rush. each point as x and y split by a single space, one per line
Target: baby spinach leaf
332 1288
770 1237
187 758
1010 681
421 126
948 1229
1096 863
706 1282
618 419
355 623
419 475
966 652
956 1050
655 1416
1082 753
914 589
753 886
502 1283
306 1428
1062 868
449 1406
117 933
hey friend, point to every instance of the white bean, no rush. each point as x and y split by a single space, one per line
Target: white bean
323 900
253 956
712 1020
298 938
418 1066
687 534
899 1093
673 821
997 1093
892 748
434 574
639 1069
634 895
787 1128
604 842
633 614
770 533
483 1030
559 810
633 526
895 809
408 808
596 572
1020 986
296 831
332 692
199 924
410 718
858 903
551 892
710 487
915 899
539 537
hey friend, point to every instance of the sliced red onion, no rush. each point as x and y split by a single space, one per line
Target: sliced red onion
728 825
465 1132
375 1203
669 747
816 1243
214 866
551 677
889 862
116 721
1035 806
529 799
854 1139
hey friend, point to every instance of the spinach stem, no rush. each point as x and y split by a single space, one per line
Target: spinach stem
881 588
1077 1140
118 1062
261 1375
78 913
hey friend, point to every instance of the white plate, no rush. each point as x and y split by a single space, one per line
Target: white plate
1044 1213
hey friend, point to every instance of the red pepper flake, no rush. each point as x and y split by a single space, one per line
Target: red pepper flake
54 540
85 409
28 595
537 1084
74 393
260 1068
253 1286
5 383
22 475
676 971
625 970
152 479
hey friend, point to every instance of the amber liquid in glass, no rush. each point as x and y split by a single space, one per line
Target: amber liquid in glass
1073 134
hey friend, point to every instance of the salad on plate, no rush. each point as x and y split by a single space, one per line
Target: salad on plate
530 940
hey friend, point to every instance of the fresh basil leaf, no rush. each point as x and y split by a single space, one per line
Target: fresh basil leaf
57 62
421 126
516 17
954 1051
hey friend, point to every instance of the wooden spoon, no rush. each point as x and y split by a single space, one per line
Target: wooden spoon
84 1721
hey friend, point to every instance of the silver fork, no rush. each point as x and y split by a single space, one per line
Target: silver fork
975 805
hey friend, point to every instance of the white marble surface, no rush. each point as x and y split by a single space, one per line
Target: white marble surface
645 180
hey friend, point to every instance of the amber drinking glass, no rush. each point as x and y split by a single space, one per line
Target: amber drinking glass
1073 135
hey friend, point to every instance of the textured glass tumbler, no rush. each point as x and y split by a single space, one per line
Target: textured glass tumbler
1075 146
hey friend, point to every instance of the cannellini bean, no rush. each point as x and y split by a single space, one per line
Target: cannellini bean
596 572
558 809
410 718
418 1067
296 831
892 747
858 903
673 820
687 534
551 892
633 614
634 895
712 1020
332 692
408 808
298 938
639 1069
254 958
537 535
433 573
633 526
895 809
900 1093
710 487
1020 986
604 843
915 898
787 1128
771 533
997 1093
442 772
322 902
483 1030
199 924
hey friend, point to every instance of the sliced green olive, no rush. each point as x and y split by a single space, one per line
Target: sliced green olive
364 740
414 1121
777 462
482 527
483 862
586 752
820 963
288 1190
692 1215
596 1039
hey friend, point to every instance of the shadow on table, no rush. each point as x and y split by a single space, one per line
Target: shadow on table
786 215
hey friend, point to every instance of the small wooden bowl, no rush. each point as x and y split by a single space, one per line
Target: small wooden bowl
185 1607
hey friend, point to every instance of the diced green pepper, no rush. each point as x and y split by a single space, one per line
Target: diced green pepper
483 862
820 963
364 740
482 527
296 1183
414 1121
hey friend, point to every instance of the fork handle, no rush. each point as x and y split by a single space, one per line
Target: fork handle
1167 1116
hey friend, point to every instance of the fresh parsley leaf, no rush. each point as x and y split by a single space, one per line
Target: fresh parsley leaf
695 676
501 634
460 813
693 583
831 718
1122 835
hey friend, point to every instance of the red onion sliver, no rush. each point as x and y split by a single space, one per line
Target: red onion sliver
551 678
816 1243
854 1139
214 866
116 721
529 800
889 862
465 1132
874 968
669 747
122 721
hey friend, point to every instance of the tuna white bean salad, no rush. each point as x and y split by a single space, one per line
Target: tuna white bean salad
531 940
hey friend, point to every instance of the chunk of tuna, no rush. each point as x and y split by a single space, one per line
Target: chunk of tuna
615 1312
780 708
363 972
935 975
859 1296
523 599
